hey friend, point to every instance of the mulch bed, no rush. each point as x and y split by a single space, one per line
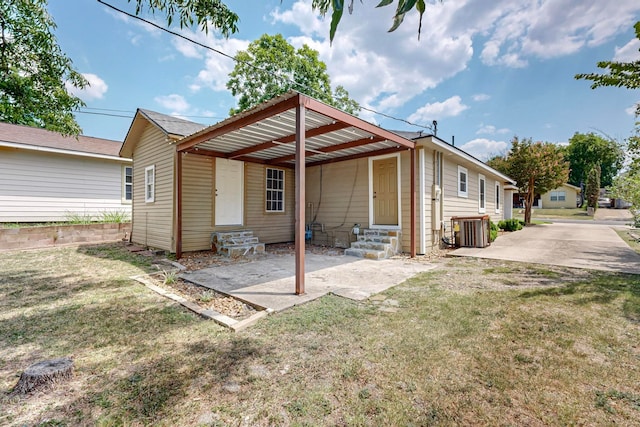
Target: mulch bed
206 298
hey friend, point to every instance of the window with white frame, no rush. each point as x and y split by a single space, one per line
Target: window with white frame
498 195
127 183
463 178
275 190
149 184
482 194
558 196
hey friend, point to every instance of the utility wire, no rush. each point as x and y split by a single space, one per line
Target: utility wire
293 82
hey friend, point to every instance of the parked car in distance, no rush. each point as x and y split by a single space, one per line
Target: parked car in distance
604 202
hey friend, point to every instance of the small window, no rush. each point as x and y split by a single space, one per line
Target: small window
558 196
149 184
482 194
463 175
127 183
498 201
275 190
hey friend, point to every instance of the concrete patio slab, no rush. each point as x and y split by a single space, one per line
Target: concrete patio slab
270 282
588 246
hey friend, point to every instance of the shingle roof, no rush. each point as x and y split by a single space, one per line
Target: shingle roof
172 125
37 137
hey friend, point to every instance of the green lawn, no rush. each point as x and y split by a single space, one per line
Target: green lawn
576 213
474 342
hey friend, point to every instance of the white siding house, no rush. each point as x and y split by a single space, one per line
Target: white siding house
45 176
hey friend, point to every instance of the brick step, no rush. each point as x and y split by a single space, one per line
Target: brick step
371 245
365 253
368 232
236 243
378 239
237 251
239 241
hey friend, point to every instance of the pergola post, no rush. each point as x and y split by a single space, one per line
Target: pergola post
300 196
412 152
179 204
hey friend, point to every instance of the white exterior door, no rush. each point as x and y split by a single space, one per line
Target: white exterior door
229 192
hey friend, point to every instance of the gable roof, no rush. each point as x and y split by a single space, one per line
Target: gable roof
38 139
418 137
171 125
174 128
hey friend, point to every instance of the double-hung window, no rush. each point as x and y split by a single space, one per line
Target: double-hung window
127 184
558 196
498 195
482 194
275 190
149 184
463 178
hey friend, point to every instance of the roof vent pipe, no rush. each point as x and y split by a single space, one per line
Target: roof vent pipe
453 140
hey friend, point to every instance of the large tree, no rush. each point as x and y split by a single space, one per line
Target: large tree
271 66
586 150
34 70
537 168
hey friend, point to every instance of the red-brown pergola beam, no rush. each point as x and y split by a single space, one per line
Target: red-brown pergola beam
326 110
300 197
179 205
320 130
332 148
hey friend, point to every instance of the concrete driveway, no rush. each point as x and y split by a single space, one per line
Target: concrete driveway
269 282
589 246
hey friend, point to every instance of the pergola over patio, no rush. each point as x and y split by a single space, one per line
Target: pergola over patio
293 131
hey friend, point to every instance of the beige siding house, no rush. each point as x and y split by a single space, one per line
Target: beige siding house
49 177
565 196
240 175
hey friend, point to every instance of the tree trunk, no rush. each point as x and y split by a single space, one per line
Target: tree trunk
528 202
44 374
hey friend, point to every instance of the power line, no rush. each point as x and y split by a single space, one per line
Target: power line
293 82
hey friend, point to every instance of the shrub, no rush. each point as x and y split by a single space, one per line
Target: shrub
513 224
493 232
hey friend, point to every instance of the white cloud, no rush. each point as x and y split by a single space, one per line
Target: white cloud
551 29
481 97
491 130
438 110
484 149
186 48
631 110
174 102
383 70
629 52
96 89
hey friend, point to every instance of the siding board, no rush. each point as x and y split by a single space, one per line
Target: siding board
40 187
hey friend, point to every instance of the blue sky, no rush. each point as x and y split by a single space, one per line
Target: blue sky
486 71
